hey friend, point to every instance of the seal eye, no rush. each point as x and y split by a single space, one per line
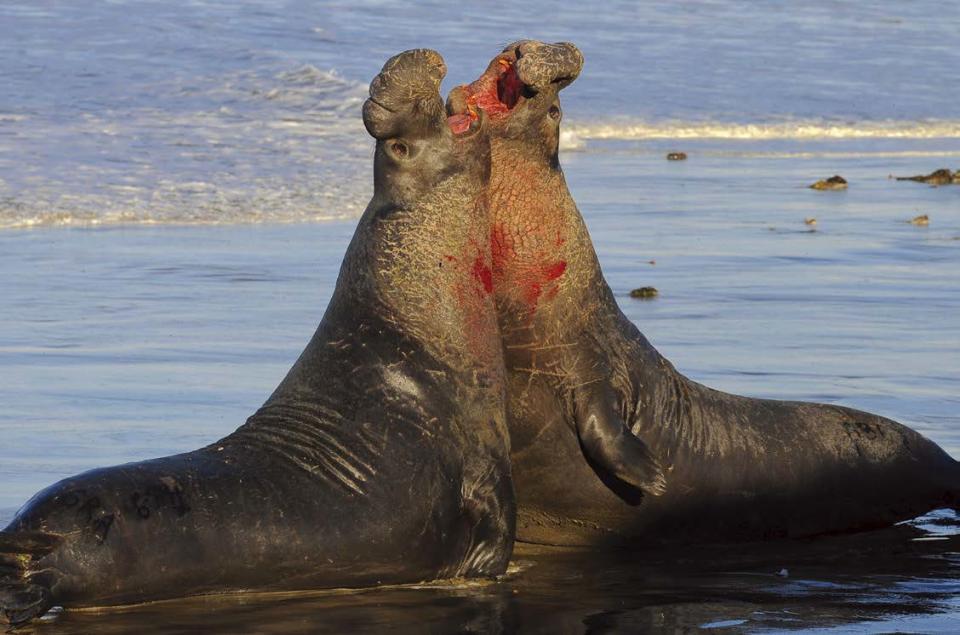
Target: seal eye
554 112
399 149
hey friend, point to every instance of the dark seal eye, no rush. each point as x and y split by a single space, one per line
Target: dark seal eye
554 112
399 149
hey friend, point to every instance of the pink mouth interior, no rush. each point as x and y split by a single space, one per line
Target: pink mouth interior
459 124
496 92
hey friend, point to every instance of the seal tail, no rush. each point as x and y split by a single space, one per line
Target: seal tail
21 599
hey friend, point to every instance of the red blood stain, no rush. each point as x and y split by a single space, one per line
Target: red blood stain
537 279
555 270
532 294
483 274
471 284
501 248
516 274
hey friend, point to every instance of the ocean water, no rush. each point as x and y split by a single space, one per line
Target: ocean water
219 112
178 183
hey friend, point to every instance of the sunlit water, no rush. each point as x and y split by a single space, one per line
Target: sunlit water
178 185
210 112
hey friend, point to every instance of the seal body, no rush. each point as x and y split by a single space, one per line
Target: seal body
382 457
610 443
942 176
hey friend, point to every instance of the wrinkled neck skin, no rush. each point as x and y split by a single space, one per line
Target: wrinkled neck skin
413 303
550 291
427 272
546 273
547 279
549 288
558 317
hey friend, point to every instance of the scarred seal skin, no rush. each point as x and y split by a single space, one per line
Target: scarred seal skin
382 457
610 444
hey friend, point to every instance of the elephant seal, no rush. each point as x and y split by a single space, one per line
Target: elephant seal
610 444
382 457
942 176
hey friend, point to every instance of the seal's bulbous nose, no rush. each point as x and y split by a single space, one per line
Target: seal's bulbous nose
405 94
417 69
539 64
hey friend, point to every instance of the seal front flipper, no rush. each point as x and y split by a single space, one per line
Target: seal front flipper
21 602
20 599
608 443
488 510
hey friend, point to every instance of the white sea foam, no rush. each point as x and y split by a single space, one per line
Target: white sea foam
286 145
78 218
833 154
577 133
278 146
189 203
569 140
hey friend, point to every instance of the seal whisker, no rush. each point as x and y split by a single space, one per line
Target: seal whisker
539 371
532 346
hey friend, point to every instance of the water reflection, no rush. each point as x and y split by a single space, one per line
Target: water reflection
903 578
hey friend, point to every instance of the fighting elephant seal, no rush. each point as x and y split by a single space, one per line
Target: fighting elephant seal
383 455
666 458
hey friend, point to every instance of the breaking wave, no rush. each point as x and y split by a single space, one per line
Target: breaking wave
276 145
576 134
189 203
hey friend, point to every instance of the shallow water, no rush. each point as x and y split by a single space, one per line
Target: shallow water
131 342
885 581
178 185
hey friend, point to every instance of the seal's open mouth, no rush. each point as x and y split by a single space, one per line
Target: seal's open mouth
496 92
522 71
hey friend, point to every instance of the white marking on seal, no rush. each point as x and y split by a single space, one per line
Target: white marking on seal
399 381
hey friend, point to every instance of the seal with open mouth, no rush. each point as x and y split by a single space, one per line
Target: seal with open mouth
609 441
382 457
